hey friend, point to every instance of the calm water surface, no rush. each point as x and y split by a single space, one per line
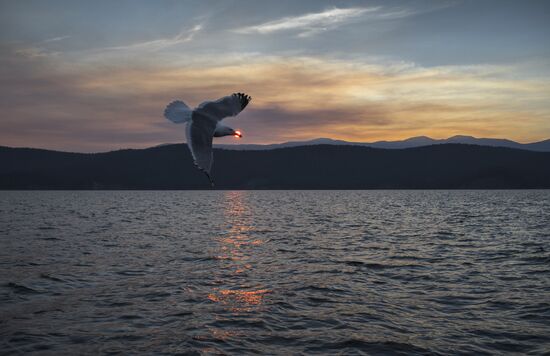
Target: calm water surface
275 272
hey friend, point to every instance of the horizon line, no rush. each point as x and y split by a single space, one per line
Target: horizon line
305 141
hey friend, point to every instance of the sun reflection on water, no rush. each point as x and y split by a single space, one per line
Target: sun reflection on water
230 296
236 251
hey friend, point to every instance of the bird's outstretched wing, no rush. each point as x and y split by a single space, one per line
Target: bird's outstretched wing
227 106
200 132
178 112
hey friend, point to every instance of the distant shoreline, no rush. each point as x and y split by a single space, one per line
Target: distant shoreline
412 142
314 167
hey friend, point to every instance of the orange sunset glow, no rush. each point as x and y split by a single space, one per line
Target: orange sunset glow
345 84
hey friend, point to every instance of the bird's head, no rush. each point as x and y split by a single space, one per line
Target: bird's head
237 133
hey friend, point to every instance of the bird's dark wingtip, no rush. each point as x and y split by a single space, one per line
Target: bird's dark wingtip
244 99
209 178
206 173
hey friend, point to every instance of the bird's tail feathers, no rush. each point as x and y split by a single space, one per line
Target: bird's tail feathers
178 112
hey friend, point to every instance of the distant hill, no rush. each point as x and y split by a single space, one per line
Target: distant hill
542 146
444 166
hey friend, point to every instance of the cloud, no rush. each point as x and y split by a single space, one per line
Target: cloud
48 103
309 24
161 43
314 23
56 39
39 50
35 52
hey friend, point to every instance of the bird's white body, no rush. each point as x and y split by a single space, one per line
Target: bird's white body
204 123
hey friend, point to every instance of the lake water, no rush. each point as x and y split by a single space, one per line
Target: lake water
275 272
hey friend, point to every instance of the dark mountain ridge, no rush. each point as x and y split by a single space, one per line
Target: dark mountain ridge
419 141
445 166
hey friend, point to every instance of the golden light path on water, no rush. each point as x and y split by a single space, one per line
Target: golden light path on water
238 294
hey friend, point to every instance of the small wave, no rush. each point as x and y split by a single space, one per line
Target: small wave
240 323
321 288
320 300
502 304
127 337
46 228
181 314
50 277
366 264
539 308
130 317
114 304
22 289
206 258
459 300
537 259
381 347
280 340
131 273
379 266
152 296
502 334
38 312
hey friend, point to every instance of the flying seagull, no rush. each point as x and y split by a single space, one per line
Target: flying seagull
204 123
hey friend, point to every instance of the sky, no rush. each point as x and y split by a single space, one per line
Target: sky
92 76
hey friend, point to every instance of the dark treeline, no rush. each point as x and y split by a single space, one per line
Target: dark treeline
448 166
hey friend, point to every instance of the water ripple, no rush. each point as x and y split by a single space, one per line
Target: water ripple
275 272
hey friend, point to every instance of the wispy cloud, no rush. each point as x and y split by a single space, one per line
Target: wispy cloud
56 39
39 50
309 23
35 52
313 23
85 108
161 43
